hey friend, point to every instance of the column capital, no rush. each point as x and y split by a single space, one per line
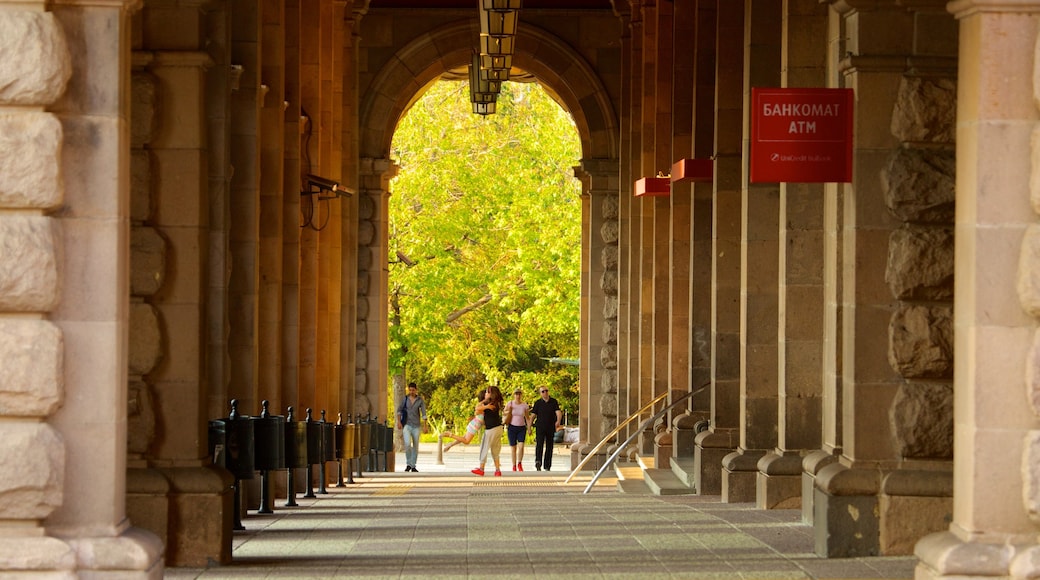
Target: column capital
962 8
126 5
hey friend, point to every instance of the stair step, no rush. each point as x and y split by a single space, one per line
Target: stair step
664 482
685 469
633 486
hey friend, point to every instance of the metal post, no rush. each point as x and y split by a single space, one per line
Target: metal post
440 449
265 494
238 506
291 480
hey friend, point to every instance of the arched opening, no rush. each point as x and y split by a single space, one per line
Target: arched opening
394 88
484 249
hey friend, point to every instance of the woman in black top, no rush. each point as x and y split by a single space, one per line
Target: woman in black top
491 406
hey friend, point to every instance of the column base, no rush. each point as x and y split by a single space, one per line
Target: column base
845 506
37 555
944 555
913 504
811 465
779 484
711 447
579 451
663 449
134 554
740 475
201 507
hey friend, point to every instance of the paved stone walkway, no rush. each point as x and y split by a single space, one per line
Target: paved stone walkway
444 522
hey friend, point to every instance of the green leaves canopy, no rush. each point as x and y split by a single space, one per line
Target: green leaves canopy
484 234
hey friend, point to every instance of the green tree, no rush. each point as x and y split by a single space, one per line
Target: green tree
484 240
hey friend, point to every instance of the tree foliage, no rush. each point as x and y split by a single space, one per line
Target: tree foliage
484 240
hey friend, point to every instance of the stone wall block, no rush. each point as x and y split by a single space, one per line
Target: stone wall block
140 427
28 264
610 231
920 263
147 261
366 207
145 350
361 358
140 185
30 160
1033 373
611 207
1028 271
609 283
361 332
1031 474
366 233
609 257
608 405
610 307
925 110
361 306
920 341
921 418
364 258
919 184
31 356
36 64
609 383
364 283
610 331
31 482
144 105
608 356
361 382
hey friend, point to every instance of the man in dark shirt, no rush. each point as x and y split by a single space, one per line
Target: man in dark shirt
548 417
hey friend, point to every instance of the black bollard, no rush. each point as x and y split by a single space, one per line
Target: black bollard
321 455
341 441
312 452
293 456
269 446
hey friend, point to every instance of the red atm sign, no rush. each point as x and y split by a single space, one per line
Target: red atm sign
801 135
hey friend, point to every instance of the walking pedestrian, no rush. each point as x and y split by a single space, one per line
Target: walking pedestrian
519 417
411 416
492 410
547 421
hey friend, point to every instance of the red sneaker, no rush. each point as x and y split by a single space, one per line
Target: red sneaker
519 466
477 471
514 468
498 473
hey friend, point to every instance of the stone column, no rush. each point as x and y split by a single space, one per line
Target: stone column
846 496
759 282
631 227
64 294
247 98
722 436
370 382
599 351
700 292
680 328
996 425
833 258
801 296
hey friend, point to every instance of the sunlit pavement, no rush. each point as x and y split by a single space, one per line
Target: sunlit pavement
444 522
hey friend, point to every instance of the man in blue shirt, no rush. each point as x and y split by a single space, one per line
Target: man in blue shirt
410 418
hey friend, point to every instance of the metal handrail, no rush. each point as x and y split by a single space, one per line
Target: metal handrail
610 435
631 437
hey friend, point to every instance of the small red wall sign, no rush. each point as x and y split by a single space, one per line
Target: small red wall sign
801 135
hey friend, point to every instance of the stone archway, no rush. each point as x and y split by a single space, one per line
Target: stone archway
582 91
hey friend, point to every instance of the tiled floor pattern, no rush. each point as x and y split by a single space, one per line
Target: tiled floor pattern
441 523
